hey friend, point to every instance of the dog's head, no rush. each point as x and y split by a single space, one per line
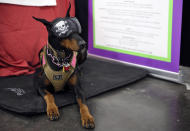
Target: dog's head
64 32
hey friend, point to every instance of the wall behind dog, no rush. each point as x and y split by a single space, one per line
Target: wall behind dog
22 37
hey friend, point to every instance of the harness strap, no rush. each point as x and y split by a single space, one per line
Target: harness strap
58 78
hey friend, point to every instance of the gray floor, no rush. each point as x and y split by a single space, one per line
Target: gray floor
148 105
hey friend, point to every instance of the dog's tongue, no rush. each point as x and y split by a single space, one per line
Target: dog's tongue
74 59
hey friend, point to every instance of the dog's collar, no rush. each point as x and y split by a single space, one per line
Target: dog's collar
56 57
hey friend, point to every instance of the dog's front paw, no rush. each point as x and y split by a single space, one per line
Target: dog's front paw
88 121
52 112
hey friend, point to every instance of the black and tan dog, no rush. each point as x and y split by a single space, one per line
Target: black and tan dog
60 60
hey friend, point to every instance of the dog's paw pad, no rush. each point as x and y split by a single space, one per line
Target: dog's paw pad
53 117
53 113
88 122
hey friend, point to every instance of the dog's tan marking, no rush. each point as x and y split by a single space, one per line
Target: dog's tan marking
52 109
47 82
41 55
86 118
73 80
70 44
75 45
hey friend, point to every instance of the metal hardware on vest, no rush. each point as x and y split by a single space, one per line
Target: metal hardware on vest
56 56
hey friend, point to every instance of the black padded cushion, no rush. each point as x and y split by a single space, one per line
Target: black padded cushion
18 94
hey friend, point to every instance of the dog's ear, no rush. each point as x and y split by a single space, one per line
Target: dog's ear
45 22
68 11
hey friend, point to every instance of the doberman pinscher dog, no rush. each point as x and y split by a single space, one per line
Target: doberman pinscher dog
60 60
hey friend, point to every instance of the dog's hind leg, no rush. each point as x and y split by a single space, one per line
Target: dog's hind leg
86 118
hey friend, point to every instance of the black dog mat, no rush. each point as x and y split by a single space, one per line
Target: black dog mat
18 94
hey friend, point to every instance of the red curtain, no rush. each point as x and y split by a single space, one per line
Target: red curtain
21 37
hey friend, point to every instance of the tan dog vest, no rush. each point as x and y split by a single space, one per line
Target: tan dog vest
58 78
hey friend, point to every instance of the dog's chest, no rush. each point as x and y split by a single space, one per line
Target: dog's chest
58 78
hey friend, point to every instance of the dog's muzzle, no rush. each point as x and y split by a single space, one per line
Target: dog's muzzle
82 53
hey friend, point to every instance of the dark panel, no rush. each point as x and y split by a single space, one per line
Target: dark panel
185 38
82 15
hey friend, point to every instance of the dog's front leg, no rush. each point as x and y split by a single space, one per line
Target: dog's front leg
86 118
52 109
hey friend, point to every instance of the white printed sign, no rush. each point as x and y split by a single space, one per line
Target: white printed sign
136 27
